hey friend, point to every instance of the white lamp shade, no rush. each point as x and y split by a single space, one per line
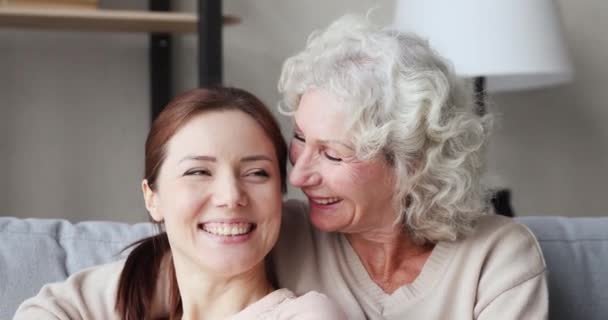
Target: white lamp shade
515 44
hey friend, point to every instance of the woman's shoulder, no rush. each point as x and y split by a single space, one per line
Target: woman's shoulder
506 252
97 276
312 305
504 236
88 292
504 232
284 304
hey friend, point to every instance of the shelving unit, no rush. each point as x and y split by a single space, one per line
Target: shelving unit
160 23
101 20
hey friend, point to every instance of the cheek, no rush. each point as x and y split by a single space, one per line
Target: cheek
379 180
266 202
267 193
264 195
184 201
356 173
361 179
343 180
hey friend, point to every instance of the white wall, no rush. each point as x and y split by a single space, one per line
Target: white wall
74 110
74 119
551 145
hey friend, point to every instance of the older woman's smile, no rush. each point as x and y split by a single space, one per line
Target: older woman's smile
324 201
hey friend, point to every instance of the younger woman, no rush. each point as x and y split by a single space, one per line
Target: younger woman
214 176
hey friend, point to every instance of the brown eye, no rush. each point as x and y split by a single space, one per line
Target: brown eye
259 173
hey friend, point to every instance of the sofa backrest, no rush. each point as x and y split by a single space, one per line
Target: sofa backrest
576 253
37 251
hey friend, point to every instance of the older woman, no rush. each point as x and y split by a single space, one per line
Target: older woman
388 151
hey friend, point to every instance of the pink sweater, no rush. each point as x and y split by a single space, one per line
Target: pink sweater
91 293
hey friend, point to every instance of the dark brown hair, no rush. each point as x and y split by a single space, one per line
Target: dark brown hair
142 269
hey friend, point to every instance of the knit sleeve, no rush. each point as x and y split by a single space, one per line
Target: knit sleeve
513 282
88 294
311 306
528 300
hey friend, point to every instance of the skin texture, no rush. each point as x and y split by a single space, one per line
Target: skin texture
213 173
359 192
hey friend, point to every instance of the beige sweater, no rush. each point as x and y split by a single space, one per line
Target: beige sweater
496 273
91 294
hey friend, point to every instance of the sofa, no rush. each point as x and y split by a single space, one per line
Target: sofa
37 251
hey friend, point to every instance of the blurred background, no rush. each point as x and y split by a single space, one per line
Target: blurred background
75 109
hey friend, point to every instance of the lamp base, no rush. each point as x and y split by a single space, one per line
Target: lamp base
480 96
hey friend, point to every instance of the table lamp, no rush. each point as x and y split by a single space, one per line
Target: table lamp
503 45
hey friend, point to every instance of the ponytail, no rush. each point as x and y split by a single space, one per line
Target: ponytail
139 276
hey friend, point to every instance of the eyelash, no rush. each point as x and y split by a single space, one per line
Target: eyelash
198 172
259 173
327 156
299 137
330 158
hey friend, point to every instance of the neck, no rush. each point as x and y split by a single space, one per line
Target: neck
390 257
209 296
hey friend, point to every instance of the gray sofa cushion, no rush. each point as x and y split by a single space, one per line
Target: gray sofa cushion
37 251
576 253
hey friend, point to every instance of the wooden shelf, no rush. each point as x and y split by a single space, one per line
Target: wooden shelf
101 20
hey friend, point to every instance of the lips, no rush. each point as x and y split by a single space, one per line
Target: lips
325 201
227 229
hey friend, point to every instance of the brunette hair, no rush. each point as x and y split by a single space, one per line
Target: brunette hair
137 284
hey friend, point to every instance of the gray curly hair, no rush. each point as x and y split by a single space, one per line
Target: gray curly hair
405 104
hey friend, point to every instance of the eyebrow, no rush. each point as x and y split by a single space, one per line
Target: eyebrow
259 157
198 158
252 158
325 142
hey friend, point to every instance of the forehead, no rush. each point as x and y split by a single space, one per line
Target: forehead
322 115
221 134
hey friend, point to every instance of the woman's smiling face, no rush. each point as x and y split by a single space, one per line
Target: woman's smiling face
345 194
219 193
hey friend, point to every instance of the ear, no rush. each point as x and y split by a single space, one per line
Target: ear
151 201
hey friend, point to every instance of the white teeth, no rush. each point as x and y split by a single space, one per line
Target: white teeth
327 200
228 229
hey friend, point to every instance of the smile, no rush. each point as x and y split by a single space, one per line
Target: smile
227 229
326 201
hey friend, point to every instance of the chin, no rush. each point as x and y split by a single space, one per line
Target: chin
232 268
322 223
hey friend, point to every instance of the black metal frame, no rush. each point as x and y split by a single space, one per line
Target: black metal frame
209 42
209 53
160 64
500 198
480 95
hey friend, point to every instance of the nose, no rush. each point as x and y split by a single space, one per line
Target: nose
228 192
303 174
